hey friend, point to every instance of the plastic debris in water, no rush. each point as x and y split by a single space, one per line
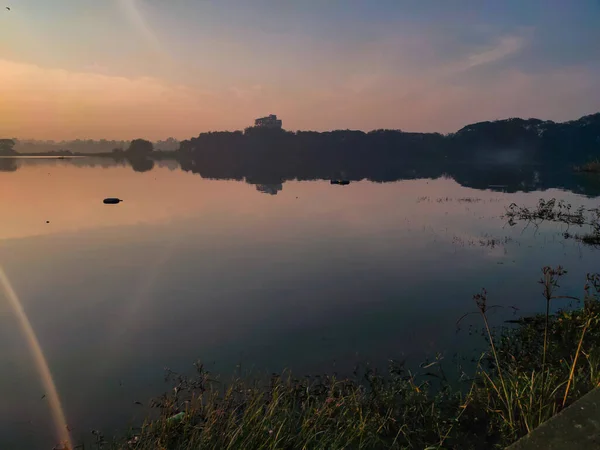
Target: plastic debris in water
112 201
176 417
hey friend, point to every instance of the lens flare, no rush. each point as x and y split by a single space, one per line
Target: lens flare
131 11
126 321
39 360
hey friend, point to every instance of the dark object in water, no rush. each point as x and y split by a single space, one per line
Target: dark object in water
522 320
340 182
112 201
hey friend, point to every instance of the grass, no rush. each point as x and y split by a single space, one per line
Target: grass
589 167
527 374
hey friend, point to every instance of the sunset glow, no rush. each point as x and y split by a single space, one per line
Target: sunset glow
122 69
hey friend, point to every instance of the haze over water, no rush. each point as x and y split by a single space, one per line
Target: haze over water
315 278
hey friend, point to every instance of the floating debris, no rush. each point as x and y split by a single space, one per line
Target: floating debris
176 417
112 201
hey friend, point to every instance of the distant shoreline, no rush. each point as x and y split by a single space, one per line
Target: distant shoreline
43 156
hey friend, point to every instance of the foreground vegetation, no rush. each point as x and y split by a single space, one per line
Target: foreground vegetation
589 167
529 371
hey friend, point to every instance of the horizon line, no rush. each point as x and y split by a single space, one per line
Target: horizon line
300 131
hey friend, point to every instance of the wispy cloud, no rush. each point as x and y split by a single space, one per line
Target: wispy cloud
505 46
39 101
413 84
433 104
495 52
49 103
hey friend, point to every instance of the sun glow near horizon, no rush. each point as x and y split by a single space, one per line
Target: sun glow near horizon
134 68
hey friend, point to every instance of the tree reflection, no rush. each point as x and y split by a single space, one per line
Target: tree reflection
140 164
8 165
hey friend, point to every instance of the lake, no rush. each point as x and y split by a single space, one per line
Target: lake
303 275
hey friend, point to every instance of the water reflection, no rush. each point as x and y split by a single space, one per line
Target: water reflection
269 175
8 165
187 267
271 189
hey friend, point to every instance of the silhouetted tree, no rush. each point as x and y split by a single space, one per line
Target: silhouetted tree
7 147
518 154
140 147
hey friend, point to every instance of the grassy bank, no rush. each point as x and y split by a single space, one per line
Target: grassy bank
530 371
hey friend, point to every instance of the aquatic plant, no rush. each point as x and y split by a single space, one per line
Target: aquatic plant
589 167
559 212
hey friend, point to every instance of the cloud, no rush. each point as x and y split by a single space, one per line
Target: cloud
56 103
415 84
430 103
506 46
492 54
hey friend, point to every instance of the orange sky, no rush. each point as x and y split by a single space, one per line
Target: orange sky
123 69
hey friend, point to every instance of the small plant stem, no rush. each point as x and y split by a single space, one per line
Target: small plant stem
571 375
506 399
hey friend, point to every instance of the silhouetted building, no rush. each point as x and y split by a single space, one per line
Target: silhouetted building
268 122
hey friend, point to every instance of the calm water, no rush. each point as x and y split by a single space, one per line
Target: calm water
316 277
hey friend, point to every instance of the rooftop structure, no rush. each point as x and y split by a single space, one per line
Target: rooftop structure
270 121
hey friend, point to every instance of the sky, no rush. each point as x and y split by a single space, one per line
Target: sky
123 69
